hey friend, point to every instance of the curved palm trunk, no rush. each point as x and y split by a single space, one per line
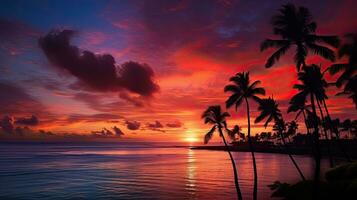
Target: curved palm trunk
334 129
317 153
325 133
239 193
255 189
291 157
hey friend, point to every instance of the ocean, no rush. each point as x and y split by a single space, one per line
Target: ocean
135 171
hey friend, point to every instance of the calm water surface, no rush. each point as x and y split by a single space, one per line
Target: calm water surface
112 171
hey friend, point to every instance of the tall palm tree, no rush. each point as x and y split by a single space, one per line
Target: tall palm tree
311 86
295 27
269 109
242 89
321 97
213 115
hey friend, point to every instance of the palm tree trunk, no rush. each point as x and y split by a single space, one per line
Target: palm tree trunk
323 120
239 193
255 188
317 153
334 129
291 157
307 127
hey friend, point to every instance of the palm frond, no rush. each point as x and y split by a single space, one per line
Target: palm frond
268 43
259 91
268 121
261 116
300 55
232 100
333 41
231 88
322 51
335 68
209 135
276 56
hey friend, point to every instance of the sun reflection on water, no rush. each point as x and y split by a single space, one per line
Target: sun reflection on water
191 172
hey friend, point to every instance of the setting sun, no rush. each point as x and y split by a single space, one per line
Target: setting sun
178 99
191 139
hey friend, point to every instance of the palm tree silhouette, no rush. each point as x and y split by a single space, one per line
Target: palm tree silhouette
213 115
349 74
242 90
235 132
347 126
269 110
350 68
295 27
312 86
320 84
292 128
298 105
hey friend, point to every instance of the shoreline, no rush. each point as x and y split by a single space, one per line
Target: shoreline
294 149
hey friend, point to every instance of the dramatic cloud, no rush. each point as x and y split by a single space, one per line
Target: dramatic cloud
95 71
132 125
31 121
176 124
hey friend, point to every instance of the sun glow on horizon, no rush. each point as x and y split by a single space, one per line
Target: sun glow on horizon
191 139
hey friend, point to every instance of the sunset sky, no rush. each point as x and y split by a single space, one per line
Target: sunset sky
172 60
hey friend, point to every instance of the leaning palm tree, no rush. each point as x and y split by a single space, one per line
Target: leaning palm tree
269 110
242 90
295 27
213 115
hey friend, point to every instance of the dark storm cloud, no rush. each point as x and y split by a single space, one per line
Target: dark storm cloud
132 125
98 72
15 100
30 121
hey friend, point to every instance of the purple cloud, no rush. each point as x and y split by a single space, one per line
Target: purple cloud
97 72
